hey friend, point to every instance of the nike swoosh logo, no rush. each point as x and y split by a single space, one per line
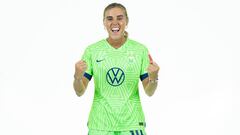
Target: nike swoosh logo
99 60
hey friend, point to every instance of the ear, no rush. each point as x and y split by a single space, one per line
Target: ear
104 25
104 22
127 22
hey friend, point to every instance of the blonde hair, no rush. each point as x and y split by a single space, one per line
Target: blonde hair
113 5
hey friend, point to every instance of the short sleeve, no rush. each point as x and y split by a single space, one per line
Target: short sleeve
87 58
145 63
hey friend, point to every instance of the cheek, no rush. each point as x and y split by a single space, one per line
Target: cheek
123 24
107 26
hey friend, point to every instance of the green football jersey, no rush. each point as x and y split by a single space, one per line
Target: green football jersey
116 73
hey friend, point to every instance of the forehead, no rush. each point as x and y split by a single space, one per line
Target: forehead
114 12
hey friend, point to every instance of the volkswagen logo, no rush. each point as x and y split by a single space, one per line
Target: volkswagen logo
115 76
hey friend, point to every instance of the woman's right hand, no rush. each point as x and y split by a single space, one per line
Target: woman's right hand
80 68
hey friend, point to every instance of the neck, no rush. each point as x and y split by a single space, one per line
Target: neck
116 43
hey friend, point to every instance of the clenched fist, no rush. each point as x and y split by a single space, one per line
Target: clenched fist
152 69
80 68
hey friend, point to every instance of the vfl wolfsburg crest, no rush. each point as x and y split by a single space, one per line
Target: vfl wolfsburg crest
115 76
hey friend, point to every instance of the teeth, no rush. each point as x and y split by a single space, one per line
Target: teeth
115 29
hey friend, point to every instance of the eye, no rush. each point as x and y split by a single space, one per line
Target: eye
109 18
119 18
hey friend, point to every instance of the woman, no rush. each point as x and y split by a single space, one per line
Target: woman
116 64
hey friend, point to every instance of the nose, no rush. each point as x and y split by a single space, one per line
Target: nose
115 21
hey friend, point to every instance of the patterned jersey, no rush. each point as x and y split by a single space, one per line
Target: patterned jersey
116 73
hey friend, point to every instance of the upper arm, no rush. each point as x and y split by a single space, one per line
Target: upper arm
144 65
87 57
89 72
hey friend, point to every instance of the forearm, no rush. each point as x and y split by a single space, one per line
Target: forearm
79 87
151 87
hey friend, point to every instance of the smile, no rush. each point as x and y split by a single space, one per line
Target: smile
115 30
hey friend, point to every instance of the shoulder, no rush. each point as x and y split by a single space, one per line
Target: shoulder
136 45
96 45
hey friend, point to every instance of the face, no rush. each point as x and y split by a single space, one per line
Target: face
115 22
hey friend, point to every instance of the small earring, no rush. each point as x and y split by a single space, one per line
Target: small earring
126 27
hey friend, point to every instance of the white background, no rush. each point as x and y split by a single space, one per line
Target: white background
196 44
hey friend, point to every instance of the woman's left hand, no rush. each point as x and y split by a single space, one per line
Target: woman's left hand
153 70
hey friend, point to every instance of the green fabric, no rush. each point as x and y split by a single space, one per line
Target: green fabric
116 73
131 132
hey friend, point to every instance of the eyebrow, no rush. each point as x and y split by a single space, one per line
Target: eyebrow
118 16
109 17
